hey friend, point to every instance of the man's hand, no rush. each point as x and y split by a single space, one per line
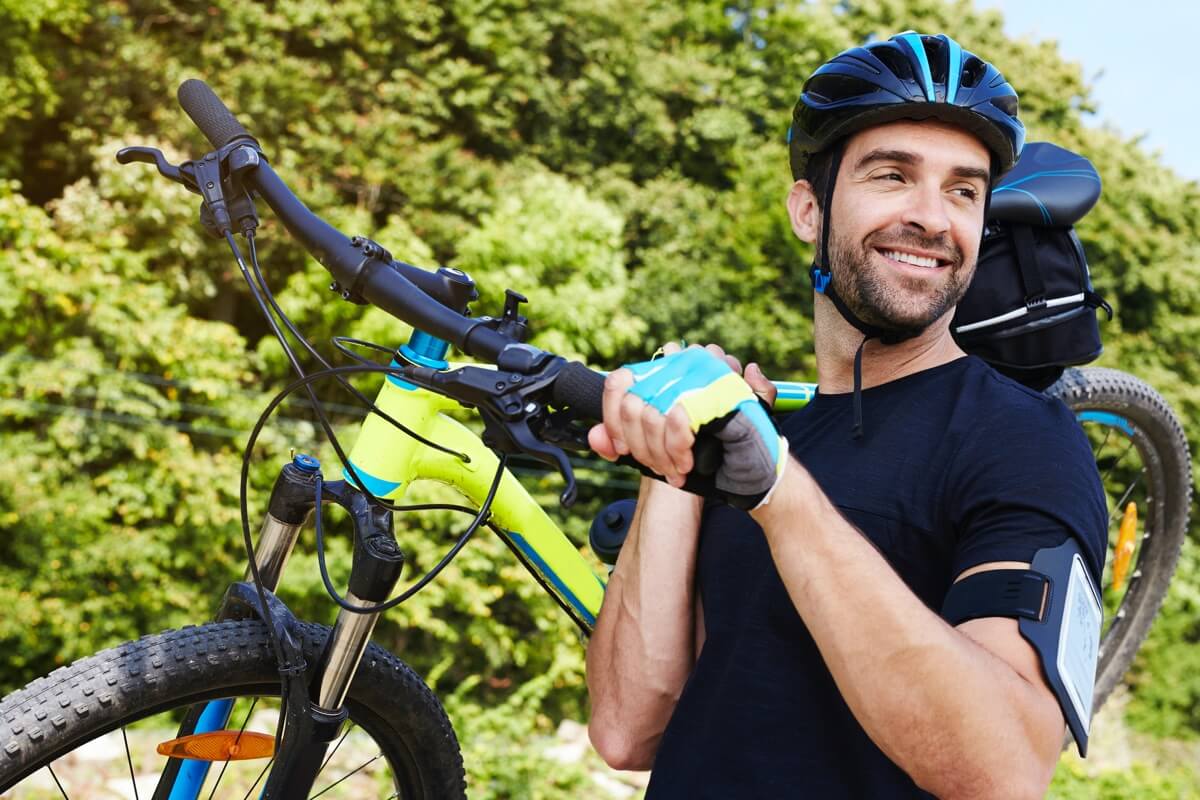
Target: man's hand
653 410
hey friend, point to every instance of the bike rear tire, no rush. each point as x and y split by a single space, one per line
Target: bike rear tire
1113 403
59 713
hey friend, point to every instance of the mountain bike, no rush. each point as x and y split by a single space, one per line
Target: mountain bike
259 701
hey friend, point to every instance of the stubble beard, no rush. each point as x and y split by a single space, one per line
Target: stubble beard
864 290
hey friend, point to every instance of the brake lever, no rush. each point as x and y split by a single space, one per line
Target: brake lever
511 406
152 155
516 436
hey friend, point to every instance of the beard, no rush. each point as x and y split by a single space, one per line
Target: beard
862 285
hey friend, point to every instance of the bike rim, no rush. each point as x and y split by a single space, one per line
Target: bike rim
1130 473
122 761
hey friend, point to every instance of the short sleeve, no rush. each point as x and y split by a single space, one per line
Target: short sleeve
1024 481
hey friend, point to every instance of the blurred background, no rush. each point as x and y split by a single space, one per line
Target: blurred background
622 164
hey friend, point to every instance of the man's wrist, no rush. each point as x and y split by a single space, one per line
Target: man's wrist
783 501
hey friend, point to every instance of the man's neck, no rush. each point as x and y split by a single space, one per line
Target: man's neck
837 341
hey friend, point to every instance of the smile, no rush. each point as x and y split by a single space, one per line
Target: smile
912 259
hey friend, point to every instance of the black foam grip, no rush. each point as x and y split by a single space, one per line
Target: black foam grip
211 116
581 389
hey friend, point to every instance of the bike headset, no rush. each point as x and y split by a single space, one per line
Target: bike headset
909 77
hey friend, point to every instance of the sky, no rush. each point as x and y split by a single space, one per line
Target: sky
1139 58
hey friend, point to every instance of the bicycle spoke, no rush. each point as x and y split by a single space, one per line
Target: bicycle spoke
57 782
259 778
1104 441
1120 503
1116 463
129 759
332 753
225 765
357 769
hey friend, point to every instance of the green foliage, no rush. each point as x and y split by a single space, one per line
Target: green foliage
622 164
1073 782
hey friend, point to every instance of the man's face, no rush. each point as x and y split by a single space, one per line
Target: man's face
907 219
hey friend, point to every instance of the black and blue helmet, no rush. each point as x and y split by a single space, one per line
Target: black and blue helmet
910 76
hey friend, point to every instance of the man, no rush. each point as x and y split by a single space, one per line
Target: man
797 650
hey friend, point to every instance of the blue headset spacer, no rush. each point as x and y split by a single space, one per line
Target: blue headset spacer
426 351
305 462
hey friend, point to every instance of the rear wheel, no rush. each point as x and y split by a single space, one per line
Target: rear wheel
1143 458
90 729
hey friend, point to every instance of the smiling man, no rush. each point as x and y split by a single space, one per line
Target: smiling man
837 621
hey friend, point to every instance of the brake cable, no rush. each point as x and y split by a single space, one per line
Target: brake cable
481 517
362 398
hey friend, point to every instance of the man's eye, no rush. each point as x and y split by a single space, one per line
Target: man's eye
967 192
890 176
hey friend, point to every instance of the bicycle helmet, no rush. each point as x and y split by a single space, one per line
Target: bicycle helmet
910 76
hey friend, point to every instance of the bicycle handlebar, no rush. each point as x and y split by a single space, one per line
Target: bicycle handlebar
212 117
580 388
421 298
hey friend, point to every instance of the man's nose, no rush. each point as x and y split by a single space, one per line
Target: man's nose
927 210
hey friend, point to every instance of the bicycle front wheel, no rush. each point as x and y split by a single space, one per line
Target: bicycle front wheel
1143 459
90 729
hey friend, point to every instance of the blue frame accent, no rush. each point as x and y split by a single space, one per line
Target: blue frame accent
1106 418
544 570
376 486
190 778
796 390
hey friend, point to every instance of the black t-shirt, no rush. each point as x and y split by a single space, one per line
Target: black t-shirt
958 466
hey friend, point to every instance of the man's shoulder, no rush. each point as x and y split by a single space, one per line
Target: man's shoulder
992 403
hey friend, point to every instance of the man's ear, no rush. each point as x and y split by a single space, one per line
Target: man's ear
803 211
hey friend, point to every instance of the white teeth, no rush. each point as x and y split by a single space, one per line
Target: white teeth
909 258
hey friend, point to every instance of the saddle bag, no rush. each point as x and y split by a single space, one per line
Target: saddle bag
1030 310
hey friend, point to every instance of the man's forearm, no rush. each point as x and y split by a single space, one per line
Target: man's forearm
946 710
643 647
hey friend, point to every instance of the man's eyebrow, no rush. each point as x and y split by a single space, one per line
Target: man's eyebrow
973 172
913 159
895 156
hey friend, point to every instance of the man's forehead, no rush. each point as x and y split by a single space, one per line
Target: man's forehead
925 140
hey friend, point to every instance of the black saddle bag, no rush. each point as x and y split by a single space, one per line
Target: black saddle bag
1030 311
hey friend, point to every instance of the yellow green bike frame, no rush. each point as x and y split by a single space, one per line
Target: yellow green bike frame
388 461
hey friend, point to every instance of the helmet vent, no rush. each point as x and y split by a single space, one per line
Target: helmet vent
835 88
935 53
1006 104
972 73
895 60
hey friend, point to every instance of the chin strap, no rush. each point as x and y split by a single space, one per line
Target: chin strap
822 281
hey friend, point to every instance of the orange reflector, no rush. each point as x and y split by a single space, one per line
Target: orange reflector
220 746
1125 545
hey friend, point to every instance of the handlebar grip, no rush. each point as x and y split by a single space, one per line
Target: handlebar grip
212 117
581 389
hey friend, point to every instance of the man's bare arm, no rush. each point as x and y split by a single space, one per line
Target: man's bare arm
963 711
644 645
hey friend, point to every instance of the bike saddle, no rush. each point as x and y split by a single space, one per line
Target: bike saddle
1049 186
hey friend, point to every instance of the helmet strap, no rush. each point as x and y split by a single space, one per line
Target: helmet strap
822 281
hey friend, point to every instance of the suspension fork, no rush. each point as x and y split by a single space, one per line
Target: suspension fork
315 718
310 724
293 498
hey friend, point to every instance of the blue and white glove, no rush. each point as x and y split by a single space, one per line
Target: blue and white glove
720 403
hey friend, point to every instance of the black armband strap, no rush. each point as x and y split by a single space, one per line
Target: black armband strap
996 593
1058 609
